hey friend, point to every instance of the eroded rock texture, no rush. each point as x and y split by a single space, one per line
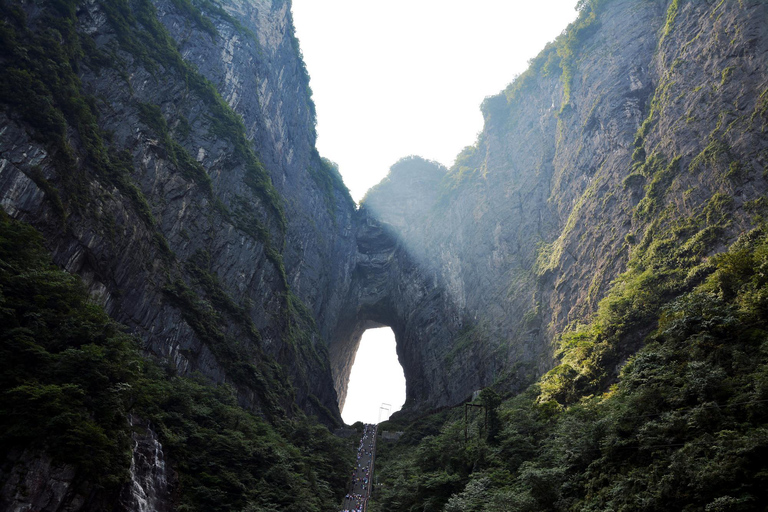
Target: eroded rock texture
175 171
33 481
390 287
646 143
207 235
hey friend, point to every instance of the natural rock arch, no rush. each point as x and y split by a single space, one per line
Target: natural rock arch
389 288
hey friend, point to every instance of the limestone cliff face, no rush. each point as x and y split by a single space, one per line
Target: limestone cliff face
209 236
399 280
641 128
391 287
204 219
166 151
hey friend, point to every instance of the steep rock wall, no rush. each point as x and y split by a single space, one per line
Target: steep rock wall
224 244
390 287
178 176
637 137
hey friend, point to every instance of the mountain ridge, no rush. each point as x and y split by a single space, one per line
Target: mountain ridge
166 152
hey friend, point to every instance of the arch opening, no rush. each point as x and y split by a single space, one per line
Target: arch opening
376 378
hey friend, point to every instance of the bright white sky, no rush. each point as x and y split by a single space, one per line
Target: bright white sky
400 77
376 378
406 77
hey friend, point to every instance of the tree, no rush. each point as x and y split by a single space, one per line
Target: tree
492 401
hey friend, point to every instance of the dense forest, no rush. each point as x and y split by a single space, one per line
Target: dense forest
683 427
71 377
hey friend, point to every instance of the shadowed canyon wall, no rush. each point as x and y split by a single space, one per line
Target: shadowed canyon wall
390 287
167 203
166 152
188 193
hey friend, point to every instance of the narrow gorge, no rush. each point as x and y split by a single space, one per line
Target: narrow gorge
184 279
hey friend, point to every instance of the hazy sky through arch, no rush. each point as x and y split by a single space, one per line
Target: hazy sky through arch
403 77
376 378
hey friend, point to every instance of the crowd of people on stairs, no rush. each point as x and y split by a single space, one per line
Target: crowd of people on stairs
356 499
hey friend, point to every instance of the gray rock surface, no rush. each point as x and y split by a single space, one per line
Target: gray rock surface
253 61
532 225
477 269
390 288
35 482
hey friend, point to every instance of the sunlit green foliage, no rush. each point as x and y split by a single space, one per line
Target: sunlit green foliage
685 426
570 43
672 11
661 177
670 258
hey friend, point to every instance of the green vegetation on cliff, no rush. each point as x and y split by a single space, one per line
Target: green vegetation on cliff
684 427
329 181
558 59
45 54
69 377
67 372
658 397
40 85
